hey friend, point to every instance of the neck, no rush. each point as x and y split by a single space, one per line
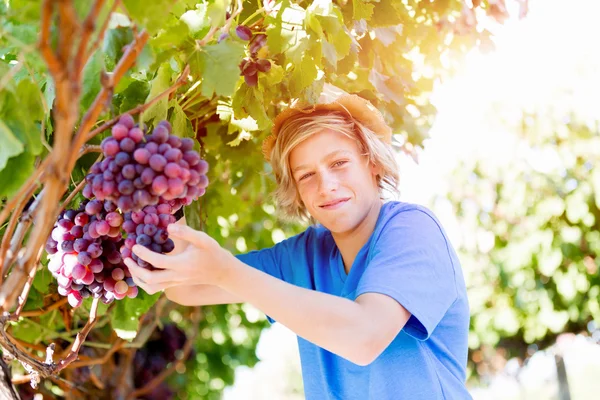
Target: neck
349 243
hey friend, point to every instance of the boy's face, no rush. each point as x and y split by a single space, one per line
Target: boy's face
336 183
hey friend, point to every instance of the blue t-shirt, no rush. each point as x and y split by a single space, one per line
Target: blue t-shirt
409 258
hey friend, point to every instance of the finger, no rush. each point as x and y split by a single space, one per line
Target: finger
184 232
147 276
156 259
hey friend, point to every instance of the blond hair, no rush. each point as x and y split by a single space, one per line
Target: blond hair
298 128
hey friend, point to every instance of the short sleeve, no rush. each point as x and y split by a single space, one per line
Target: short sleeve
411 262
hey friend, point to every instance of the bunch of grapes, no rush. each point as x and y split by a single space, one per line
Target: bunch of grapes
142 181
140 169
84 254
148 228
155 356
251 66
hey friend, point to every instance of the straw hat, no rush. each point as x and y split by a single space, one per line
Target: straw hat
334 99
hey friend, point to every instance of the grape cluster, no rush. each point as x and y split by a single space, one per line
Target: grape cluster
131 197
84 254
154 357
148 228
251 66
140 169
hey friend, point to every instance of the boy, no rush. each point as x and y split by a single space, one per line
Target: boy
374 291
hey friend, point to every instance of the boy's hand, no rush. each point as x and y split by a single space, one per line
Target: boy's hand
203 261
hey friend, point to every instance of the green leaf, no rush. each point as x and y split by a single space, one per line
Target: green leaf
42 280
135 94
217 11
114 44
125 317
160 83
303 75
16 172
11 145
91 80
182 126
361 9
150 14
220 65
196 20
29 96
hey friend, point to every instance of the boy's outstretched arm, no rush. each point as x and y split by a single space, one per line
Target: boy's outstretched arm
356 330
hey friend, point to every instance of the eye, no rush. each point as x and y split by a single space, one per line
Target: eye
305 176
339 163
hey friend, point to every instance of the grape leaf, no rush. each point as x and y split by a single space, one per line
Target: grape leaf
150 14
125 317
303 74
135 94
160 83
220 64
217 11
91 80
11 145
196 19
362 9
182 126
16 171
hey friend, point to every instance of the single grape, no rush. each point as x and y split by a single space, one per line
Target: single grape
243 32
119 131
251 80
111 147
136 134
74 298
160 185
127 120
118 274
160 134
114 219
143 240
142 155
126 187
186 144
157 162
263 65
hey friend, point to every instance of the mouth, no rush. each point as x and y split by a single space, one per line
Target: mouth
334 203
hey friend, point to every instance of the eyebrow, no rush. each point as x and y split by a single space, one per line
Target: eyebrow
330 155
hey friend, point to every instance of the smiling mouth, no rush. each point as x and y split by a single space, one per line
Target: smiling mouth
334 203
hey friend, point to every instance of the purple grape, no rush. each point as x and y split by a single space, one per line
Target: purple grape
136 134
121 159
125 203
243 32
119 131
95 250
168 246
160 185
111 147
67 246
174 141
127 145
191 157
202 167
96 266
251 80
74 298
263 65
152 148
114 219
143 240
109 206
126 187
187 144
118 274
80 245
157 162
138 183
84 258
160 134
172 170
147 176
173 155
142 156
79 271
150 230
128 171
102 227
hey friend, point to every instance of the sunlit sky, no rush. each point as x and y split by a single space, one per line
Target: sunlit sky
549 59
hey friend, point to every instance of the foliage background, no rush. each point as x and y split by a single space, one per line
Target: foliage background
544 279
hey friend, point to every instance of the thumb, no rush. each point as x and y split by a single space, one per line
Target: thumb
184 232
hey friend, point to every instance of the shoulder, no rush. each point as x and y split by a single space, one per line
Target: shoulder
409 216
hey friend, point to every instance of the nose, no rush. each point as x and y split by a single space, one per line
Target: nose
327 182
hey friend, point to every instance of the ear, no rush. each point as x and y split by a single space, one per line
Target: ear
376 169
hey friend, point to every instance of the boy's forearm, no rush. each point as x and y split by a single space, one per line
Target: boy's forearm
331 322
